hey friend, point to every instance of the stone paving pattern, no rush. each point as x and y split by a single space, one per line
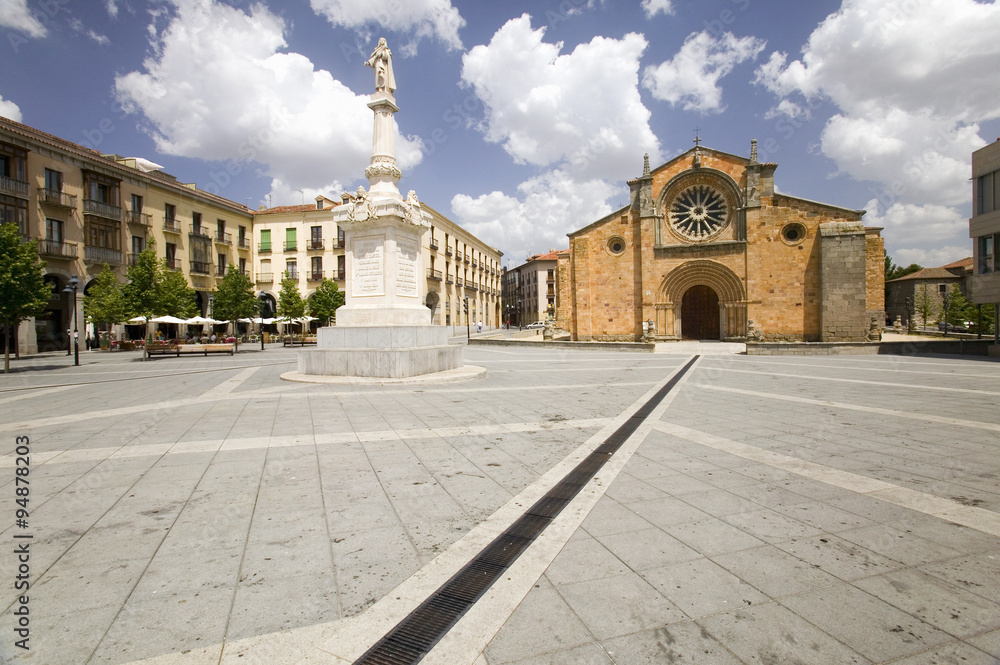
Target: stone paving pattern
201 510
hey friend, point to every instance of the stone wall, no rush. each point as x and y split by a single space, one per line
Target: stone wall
842 275
875 275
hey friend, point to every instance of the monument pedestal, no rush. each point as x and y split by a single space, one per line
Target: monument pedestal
393 352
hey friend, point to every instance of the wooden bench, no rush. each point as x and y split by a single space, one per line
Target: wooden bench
162 349
178 349
300 341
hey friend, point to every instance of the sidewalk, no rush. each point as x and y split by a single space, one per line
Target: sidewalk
812 510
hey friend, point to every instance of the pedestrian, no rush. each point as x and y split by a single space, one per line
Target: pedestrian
480 326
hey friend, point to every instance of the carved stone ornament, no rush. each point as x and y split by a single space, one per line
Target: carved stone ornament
754 334
874 331
383 169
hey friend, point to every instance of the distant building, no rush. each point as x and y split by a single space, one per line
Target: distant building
306 243
708 244
984 229
88 210
909 295
530 290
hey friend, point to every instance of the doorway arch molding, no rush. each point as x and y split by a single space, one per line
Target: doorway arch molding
703 272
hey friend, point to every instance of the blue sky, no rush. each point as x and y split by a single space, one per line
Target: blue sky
523 120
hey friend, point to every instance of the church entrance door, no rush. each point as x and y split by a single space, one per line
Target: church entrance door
700 313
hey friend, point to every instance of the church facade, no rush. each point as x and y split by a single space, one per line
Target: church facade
708 249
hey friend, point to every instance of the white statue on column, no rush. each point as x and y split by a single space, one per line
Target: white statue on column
381 62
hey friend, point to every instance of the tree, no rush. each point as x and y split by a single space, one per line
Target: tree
923 304
141 282
892 271
174 296
325 300
290 302
955 314
23 291
234 298
105 302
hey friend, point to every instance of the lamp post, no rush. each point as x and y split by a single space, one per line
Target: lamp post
71 287
518 313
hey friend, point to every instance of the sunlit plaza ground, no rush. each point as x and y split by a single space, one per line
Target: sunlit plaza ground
201 510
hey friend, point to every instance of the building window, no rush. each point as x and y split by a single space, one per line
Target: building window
13 162
265 240
317 267
987 255
138 245
196 222
101 189
53 180
101 233
942 289
136 204
340 237
220 229
170 215
222 265
292 268
290 241
54 230
987 199
170 251
340 267
243 266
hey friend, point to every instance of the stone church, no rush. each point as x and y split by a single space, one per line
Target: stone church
707 249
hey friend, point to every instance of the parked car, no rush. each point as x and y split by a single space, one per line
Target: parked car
951 327
535 324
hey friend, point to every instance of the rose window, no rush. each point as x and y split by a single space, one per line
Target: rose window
698 212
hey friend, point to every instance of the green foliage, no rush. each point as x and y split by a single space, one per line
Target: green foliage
923 303
956 306
892 271
141 284
323 303
106 301
234 298
23 291
174 296
290 302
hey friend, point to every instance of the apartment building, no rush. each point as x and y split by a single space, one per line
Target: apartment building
306 243
984 229
530 290
88 210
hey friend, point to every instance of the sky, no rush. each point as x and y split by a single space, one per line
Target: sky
522 121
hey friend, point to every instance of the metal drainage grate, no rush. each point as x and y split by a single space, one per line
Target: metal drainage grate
417 634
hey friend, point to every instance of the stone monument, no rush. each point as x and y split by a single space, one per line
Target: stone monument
384 329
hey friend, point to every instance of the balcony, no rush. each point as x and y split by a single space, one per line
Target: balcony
223 238
447 251
471 286
475 263
340 243
264 278
314 276
458 255
243 243
290 246
464 258
57 249
316 243
199 234
264 248
434 243
56 198
200 267
138 218
112 257
171 225
102 209
13 187
434 274
293 274
172 264
449 279
458 281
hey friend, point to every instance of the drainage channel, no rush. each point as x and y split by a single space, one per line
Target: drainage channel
417 634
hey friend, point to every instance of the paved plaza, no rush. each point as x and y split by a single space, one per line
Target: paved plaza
769 510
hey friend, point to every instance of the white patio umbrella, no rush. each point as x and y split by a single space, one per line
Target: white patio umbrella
137 319
167 319
200 320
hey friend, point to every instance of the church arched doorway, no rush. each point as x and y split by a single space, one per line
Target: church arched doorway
700 313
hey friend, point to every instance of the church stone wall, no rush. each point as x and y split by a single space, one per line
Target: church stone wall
875 275
842 271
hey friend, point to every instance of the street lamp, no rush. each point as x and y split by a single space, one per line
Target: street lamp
518 313
71 287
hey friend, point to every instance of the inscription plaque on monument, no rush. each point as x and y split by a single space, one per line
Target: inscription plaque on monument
406 268
369 266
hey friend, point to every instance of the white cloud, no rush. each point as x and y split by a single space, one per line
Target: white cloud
910 224
9 109
654 7
77 26
112 7
911 80
547 208
422 18
14 14
930 258
542 107
691 78
219 88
